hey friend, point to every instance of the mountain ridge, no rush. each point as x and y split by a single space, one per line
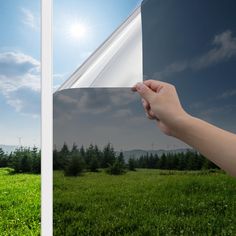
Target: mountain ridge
137 153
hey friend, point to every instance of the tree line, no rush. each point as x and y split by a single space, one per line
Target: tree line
189 160
76 160
22 160
73 162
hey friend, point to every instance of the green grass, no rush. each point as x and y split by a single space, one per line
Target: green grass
19 204
146 202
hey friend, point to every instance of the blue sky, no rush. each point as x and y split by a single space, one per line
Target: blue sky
99 18
20 72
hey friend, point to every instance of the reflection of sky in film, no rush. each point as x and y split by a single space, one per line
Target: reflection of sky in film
193 46
116 63
99 116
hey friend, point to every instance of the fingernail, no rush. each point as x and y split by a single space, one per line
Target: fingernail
140 87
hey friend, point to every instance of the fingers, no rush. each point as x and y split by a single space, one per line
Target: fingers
145 92
146 105
155 85
149 90
148 110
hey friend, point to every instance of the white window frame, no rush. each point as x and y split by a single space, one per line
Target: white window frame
46 119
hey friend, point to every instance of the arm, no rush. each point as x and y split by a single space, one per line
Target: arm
216 144
162 104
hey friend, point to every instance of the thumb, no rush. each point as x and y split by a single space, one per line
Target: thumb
145 92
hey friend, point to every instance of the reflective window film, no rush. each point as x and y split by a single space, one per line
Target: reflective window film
193 46
101 115
117 62
20 117
98 134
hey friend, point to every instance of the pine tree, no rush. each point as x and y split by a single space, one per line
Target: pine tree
121 159
94 164
1 153
74 167
74 149
36 161
65 150
115 169
3 160
131 164
82 151
108 157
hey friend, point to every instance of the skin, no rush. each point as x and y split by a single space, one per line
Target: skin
161 103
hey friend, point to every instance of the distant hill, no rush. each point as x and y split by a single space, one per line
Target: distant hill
8 148
138 153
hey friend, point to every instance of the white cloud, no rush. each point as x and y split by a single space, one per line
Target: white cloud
224 48
15 63
95 101
29 19
171 69
20 82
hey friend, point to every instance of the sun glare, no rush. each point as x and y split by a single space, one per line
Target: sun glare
77 31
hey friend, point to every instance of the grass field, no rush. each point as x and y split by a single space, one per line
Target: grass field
146 202
19 204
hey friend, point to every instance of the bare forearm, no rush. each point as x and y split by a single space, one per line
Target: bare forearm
161 103
216 144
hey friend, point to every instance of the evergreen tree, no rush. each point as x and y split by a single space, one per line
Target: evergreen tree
1 153
56 161
65 150
3 159
108 157
26 164
163 162
131 164
121 159
74 167
89 154
116 168
94 164
82 151
36 161
74 149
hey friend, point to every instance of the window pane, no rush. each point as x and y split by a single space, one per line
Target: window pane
20 117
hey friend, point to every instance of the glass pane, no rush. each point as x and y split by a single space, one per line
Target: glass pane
115 173
20 117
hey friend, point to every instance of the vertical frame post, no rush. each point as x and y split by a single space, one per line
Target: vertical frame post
46 119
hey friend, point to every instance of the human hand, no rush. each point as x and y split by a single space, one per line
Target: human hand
161 103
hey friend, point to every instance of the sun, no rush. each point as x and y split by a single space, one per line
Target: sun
77 31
